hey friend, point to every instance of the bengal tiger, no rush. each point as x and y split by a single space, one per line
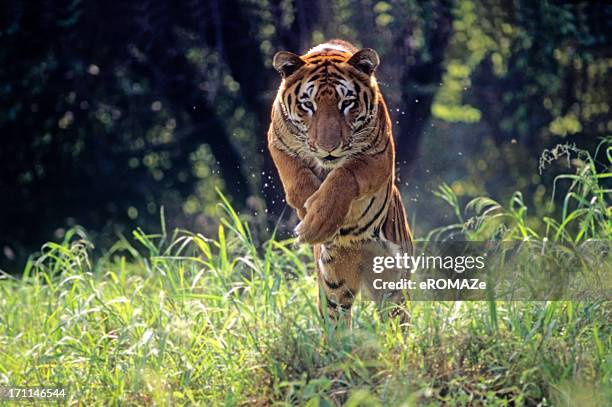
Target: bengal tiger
330 140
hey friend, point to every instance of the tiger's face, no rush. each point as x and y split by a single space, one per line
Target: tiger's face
330 96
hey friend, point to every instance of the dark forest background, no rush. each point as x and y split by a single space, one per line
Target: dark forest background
111 110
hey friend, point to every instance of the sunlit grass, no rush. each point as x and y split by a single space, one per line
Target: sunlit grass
180 318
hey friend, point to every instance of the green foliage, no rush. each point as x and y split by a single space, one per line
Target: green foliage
527 49
586 212
188 319
105 131
157 104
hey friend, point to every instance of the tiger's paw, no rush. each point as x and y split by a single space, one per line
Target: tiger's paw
323 218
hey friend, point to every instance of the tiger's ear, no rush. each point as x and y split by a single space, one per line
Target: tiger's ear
286 63
365 60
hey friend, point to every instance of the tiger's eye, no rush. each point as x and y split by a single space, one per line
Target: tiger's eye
346 103
309 105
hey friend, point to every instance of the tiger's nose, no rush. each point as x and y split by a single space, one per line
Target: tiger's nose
328 145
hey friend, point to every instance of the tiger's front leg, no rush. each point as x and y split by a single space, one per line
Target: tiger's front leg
339 280
326 209
328 206
299 181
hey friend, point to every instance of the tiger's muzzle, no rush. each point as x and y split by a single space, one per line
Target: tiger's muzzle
329 131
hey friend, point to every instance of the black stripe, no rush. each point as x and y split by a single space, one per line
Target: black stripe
349 294
344 232
381 151
331 304
319 68
367 226
326 259
328 51
371 222
332 285
280 139
378 135
327 58
366 101
368 208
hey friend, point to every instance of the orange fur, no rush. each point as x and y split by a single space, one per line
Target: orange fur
330 139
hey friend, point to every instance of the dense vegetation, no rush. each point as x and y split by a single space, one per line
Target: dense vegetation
118 114
185 318
113 109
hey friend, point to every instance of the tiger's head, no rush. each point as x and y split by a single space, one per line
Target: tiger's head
330 96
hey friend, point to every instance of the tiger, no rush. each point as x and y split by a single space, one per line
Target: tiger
330 139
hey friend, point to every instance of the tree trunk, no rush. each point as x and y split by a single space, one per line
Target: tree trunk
420 79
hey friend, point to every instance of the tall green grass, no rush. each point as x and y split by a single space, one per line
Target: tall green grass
585 209
180 318
569 254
